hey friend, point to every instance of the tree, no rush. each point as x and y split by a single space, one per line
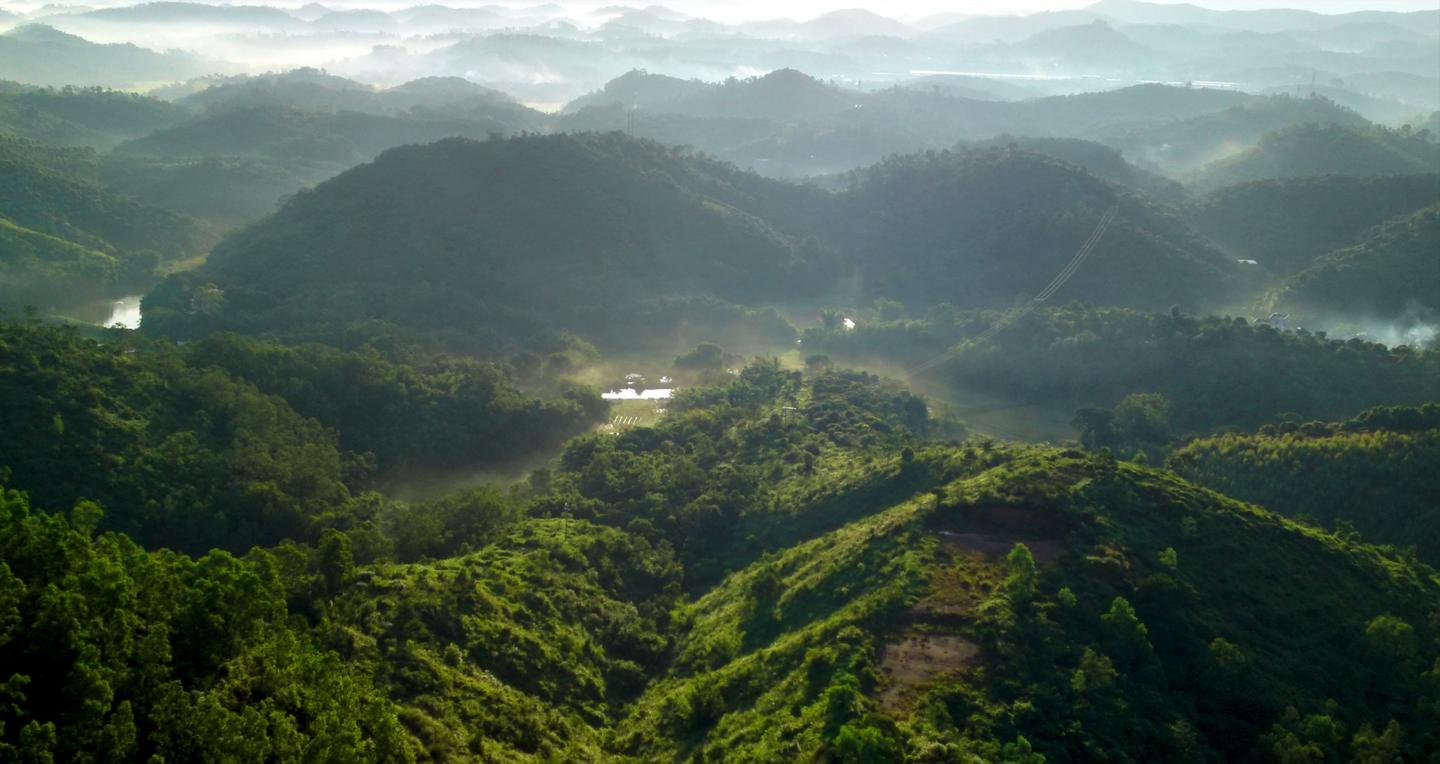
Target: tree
707 356
1143 417
858 743
889 310
1020 578
1394 640
337 564
1096 427
1096 672
1127 636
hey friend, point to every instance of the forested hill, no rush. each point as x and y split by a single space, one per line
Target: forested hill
855 594
83 116
1099 159
1286 224
1373 473
506 238
235 442
1326 149
67 237
1216 372
985 228
1391 271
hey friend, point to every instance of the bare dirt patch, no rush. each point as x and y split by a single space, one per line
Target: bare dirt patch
915 661
968 567
994 548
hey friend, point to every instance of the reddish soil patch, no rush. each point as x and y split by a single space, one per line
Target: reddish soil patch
915 661
1009 520
995 547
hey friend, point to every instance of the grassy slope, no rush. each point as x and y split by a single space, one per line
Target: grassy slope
756 675
32 262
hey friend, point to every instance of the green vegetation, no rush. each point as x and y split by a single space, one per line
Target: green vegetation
1326 149
183 457
74 116
654 244
348 496
1373 474
1196 141
333 141
854 594
187 453
451 413
67 237
35 266
1100 160
314 90
533 234
112 653
1391 271
984 229
1287 224
1148 611
1215 371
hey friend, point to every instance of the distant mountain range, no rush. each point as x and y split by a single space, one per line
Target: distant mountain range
550 55
41 55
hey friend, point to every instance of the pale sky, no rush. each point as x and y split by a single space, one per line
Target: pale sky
801 9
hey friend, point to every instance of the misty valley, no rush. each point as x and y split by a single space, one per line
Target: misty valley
745 382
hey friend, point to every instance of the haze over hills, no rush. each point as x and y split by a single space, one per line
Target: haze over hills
1392 270
1310 150
988 228
894 234
42 55
764 382
67 237
578 49
512 232
1285 224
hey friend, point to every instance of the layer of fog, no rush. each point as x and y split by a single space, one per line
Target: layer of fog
552 53
1417 327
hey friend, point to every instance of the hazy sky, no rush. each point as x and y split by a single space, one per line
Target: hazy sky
913 8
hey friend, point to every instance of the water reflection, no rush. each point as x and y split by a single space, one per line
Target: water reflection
124 312
631 394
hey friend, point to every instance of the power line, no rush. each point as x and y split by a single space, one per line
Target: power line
1050 289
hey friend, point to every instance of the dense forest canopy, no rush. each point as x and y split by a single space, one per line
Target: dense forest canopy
1392 270
546 638
612 384
1215 371
1359 474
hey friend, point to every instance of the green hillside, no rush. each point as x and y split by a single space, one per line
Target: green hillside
601 234
1100 160
36 267
1324 149
1286 225
1392 270
1213 372
216 447
1053 607
90 239
985 229
83 116
1372 473
853 595
504 239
